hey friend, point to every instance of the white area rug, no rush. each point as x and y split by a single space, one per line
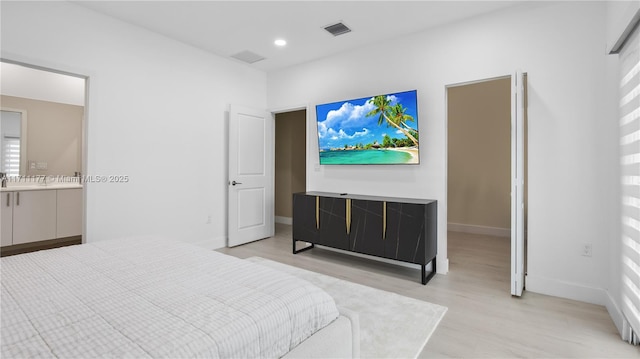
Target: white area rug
391 325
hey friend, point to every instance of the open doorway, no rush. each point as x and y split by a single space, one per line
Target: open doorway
49 150
479 177
290 162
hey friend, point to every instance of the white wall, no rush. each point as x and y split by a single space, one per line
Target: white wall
156 113
561 46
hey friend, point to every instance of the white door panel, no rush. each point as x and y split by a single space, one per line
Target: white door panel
251 153
517 183
251 208
251 171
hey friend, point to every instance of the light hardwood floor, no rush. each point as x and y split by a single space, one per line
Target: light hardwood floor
483 320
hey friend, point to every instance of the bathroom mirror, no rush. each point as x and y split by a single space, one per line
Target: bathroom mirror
51 143
13 141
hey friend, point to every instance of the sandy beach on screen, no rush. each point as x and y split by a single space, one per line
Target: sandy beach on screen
412 151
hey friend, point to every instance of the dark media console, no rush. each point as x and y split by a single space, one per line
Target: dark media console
402 229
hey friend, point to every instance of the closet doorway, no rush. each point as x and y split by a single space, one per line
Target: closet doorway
290 161
479 173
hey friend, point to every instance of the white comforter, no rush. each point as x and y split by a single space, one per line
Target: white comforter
146 297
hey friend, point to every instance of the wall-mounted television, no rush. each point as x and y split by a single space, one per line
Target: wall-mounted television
375 130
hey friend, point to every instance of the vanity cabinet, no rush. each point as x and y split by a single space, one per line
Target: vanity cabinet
6 212
34 216
40 215
69 213
401 229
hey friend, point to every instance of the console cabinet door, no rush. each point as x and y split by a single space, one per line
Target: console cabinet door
34 216
406 232
334 230
367 227
6 212
305 222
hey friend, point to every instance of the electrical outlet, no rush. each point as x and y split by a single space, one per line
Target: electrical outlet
586 250
208 219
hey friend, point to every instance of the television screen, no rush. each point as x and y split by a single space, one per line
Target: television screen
381 129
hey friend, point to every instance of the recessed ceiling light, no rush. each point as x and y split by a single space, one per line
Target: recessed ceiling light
280 42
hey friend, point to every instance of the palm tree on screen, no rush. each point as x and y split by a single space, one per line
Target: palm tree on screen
399 117
385 111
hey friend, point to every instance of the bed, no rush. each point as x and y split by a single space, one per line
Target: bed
153 298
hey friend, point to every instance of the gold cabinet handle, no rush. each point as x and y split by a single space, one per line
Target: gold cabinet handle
317 212
384 220
348 215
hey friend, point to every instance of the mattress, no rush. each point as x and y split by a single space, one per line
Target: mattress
148 297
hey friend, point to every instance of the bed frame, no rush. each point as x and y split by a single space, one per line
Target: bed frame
340 339
121 298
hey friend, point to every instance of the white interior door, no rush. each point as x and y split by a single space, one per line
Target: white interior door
251 163
517 183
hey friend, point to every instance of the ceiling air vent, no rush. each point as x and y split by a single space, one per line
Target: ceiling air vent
248 56
337 29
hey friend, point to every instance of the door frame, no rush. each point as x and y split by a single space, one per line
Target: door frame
293 108
36 65
522 148
274 113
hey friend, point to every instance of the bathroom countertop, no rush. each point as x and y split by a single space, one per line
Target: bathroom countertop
39 187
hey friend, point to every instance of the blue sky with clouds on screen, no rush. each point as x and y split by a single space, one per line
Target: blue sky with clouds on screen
345 122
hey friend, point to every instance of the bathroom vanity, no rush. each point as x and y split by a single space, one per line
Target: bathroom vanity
33 213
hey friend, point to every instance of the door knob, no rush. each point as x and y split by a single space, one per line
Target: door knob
235 183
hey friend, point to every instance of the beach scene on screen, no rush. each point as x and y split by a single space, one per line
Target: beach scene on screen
380 129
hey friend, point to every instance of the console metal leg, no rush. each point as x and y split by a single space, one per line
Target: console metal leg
303 249
426 278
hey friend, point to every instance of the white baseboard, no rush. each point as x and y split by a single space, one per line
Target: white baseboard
213 243
567 290
615 313
578 292
284 220
443 265
470 228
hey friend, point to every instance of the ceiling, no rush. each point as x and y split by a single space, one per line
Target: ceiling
226 28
